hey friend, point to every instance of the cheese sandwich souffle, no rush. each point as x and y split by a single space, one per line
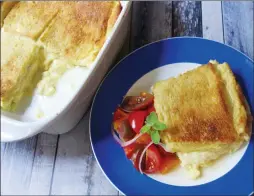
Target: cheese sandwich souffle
42 41
202 126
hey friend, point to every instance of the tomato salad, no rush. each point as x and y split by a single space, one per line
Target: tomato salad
137 129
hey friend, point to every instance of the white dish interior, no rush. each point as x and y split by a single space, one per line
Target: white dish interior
39 111
39 106
179 176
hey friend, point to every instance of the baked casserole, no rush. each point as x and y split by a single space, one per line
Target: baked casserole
39 34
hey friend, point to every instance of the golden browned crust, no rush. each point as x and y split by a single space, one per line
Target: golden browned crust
20 62
8 75
234 99
30 18
196 109
73 30
244 121
116 10
79 30
13 58
6 7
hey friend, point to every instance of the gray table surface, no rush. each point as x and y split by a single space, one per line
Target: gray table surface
65 165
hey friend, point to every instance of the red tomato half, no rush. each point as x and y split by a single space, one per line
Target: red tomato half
131 149
135 103
168 163
150 109
125 131
119 114
118 117
162 151
137 120
135 158
144 139
153 160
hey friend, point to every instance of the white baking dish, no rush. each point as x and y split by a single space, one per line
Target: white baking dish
64 110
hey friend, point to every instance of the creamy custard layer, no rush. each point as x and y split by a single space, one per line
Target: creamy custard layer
193 162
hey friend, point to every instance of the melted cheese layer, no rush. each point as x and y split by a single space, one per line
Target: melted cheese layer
194 161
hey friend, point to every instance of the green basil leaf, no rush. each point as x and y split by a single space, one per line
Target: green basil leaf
145 129
152 118
155 137
159 126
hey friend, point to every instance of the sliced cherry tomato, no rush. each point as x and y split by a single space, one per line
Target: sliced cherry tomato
131 149
162 151
153 160
119 114
125 131
169 160
150 109
144 139
118 117
135 158
137 120
168 163
134 103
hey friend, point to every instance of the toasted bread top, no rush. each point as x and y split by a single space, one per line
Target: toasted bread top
6 7
195 107
30 18
80 29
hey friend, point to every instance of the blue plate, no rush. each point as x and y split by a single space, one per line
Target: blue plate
110 156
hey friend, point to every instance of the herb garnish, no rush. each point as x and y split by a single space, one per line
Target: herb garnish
153 126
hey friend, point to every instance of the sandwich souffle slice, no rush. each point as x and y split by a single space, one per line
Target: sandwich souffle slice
21 61
79 30
205 113
30 18
6 7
